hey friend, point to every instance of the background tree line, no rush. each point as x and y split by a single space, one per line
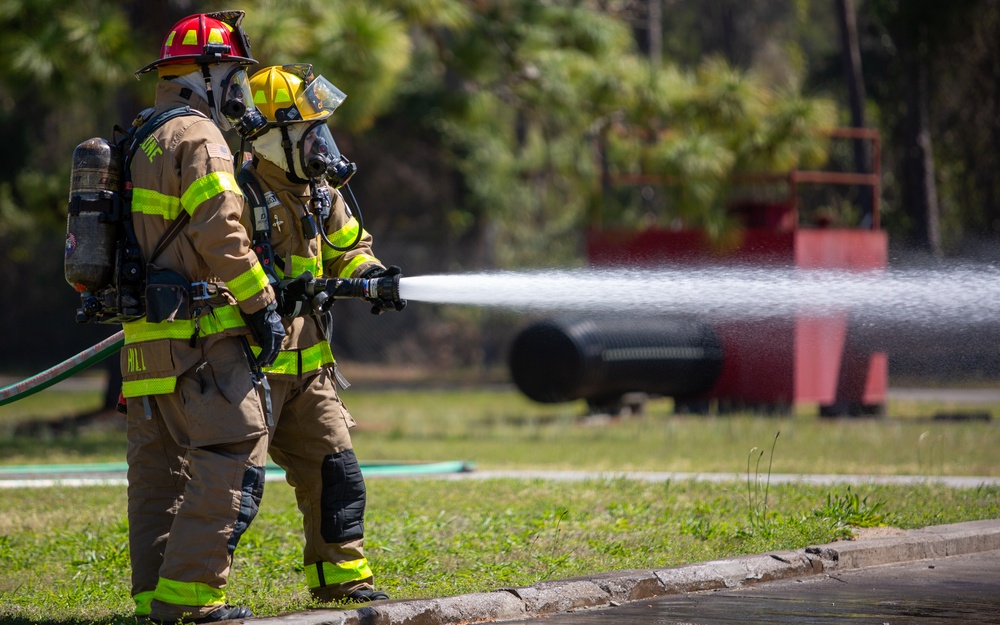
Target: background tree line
476 125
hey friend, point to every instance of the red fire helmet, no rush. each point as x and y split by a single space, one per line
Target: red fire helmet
205 38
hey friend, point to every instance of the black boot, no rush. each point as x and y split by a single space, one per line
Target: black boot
225 613
364 595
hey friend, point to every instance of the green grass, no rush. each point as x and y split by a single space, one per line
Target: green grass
500 429
63 552
430 538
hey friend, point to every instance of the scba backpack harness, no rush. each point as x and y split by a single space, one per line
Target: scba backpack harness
103 260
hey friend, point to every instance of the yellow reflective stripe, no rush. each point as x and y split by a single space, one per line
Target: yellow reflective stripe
330 254
149 202
207 187
340 573
312 264
358 260
249 283
220 319
194 594
342 238
287 362
142 603
346 235
151 386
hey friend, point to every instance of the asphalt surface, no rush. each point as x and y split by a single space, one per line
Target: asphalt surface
943 591
940 574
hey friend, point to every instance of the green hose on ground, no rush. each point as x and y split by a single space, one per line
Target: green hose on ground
71 366
19 476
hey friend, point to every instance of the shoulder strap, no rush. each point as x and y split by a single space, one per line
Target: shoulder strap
260 221
144 126
261 216
171 233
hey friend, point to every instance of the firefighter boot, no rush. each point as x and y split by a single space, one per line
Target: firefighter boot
364 595
225 613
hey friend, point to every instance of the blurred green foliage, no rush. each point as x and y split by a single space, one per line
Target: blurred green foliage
488 133
514 94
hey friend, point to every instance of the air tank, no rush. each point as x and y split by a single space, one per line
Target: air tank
601 359
92 222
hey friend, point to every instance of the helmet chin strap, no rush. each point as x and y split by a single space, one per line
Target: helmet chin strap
207 75
217 115
286 144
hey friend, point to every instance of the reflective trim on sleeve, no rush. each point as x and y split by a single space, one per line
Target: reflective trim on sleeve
149 202
220 319
193 594
331 255
249 283
312 264
357 261
342 238
207 187
287 362
150 386
142 603
328 574
346 235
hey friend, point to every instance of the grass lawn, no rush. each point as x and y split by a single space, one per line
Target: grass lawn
63 552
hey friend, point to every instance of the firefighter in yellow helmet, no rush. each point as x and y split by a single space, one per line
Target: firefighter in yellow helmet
196 398
302 230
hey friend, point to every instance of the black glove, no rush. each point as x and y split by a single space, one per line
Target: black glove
387 289
293 300
267 329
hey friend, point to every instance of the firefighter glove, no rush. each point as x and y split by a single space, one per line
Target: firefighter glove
267 329
386 290
293 296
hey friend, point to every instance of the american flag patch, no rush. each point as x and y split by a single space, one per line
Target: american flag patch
218 150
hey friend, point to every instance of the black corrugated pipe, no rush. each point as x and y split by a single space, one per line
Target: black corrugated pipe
600 359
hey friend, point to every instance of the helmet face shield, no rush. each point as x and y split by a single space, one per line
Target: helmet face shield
288 94
319 98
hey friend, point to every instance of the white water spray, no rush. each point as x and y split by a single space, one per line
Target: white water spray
966 295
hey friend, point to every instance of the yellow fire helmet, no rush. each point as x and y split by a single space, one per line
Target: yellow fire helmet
288 94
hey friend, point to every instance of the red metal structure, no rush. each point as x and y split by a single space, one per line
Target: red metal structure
775 364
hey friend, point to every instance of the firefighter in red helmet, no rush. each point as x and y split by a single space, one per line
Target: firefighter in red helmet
301 226
197 399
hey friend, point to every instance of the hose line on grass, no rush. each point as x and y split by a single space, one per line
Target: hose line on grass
71 366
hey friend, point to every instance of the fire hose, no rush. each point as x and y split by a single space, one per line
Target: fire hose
65 369
316 294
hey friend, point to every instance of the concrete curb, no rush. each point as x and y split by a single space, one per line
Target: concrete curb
615 588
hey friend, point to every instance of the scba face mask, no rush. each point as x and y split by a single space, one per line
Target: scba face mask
319 157
233 107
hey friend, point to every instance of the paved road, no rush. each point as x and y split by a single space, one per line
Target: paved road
931 576
945 591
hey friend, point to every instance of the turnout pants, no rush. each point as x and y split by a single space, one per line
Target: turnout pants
312 443
195 478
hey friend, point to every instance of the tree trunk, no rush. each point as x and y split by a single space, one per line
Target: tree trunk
920 189
851 54
655 28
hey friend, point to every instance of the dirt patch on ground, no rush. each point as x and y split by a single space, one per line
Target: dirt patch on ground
863 533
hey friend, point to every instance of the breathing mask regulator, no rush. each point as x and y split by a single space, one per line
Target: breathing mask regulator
315 157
